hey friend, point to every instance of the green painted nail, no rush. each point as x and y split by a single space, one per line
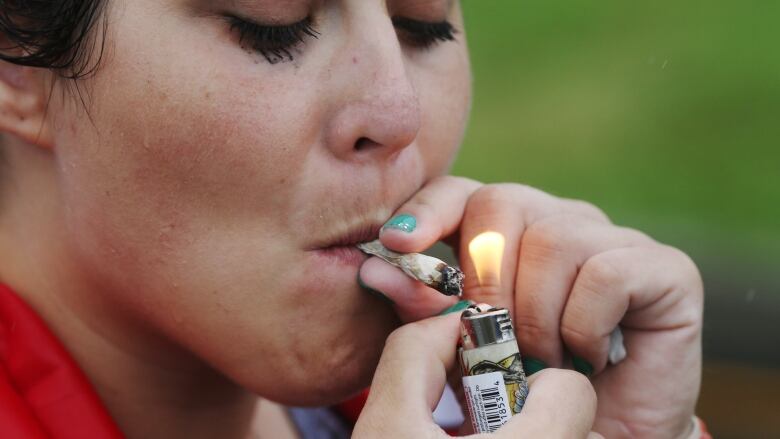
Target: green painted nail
405 223
532 365
460 306
582 366
373 292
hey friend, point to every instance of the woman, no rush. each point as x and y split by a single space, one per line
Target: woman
183 183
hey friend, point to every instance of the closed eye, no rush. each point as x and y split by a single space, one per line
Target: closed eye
274 42
423 34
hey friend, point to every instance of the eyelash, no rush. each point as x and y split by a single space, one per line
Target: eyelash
276 42
423 34
273 42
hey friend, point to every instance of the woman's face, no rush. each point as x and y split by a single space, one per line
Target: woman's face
214 194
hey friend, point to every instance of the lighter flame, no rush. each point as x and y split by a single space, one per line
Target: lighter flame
487 250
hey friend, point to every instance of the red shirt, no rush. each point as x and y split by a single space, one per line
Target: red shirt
43 393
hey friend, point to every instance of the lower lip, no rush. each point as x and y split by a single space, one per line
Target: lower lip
343 255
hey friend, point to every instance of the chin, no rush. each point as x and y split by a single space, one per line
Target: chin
320 373
341 383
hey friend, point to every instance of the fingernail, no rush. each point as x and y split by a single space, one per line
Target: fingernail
532 365
460 306
373 292
404 222
582 366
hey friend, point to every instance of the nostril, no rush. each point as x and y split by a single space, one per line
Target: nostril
364 143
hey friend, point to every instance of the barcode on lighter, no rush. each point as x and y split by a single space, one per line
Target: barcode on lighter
487 401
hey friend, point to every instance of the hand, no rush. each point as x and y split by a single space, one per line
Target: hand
410 379
568 277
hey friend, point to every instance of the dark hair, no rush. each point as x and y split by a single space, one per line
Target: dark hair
52 34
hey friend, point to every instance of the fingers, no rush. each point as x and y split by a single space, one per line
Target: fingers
569 277
560 404
551 254
412 299
410 378
647 284
585 209
509 209
431 214
436 212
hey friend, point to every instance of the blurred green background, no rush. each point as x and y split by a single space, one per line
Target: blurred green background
665 114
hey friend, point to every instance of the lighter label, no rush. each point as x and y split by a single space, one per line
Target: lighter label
487 401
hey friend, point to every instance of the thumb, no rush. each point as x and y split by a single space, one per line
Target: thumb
410 378
560 404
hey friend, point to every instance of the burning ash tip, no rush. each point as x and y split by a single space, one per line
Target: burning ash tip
452 281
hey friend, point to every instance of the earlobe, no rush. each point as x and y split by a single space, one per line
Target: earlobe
23 99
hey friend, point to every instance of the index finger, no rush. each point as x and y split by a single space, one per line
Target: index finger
432 214
507 209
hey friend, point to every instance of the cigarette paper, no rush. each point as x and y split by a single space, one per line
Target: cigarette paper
433 272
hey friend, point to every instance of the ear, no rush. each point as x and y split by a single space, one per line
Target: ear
23 100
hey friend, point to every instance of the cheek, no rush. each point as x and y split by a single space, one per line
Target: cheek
183 126
172 151
169 191
203 145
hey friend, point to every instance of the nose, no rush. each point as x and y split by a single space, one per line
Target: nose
377 109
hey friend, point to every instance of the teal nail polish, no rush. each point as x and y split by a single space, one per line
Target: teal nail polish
582 366
373 292
460 306
532 365
405 223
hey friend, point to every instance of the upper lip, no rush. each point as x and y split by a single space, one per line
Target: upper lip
356 235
